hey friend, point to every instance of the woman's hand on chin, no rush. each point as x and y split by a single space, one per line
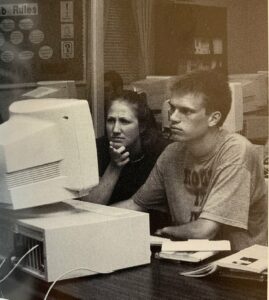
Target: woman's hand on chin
119 157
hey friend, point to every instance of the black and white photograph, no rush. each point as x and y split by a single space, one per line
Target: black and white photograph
133 149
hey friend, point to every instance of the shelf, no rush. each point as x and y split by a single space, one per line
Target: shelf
210 55
182 30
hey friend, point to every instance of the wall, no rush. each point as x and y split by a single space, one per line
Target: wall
247 36
258 35
121 49
237 32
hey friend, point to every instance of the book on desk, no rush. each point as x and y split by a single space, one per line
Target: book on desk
250 263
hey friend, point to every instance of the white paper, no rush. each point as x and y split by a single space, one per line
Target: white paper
157 240
254 259
196 245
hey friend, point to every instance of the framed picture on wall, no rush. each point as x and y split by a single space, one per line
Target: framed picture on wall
42 41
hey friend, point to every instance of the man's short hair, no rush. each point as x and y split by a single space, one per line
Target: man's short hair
212 85
115 79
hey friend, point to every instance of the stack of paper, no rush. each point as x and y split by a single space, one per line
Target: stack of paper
196 245
157 240
186 256
192 250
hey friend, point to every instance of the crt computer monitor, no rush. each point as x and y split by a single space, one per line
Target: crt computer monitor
47 152
48 155
254 89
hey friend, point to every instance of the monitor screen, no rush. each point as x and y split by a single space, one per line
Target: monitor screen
156 89
47 152
254 89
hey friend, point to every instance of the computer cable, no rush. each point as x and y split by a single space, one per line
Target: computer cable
2 262
70 271
19 261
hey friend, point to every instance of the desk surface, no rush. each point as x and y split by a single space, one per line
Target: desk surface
159 280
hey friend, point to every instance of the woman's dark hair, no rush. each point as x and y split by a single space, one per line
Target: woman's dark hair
212 85
115 79
146 120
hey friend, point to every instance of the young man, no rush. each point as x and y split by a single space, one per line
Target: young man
212 181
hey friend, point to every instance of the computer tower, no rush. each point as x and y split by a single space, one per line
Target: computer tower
76 238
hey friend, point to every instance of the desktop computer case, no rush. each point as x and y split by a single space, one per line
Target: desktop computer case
75 234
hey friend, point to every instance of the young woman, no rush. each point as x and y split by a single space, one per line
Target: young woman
129 151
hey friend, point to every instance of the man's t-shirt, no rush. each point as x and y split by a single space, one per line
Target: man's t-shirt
134 174
226 186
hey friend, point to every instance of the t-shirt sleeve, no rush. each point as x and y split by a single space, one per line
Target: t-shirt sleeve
152 194
234 186
229 199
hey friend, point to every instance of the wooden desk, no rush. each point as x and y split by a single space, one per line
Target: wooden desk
159 280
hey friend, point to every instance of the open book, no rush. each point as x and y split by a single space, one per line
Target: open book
249 263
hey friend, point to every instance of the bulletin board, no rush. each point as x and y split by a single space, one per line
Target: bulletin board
42 40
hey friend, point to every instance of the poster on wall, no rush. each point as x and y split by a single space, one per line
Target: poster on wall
42 40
